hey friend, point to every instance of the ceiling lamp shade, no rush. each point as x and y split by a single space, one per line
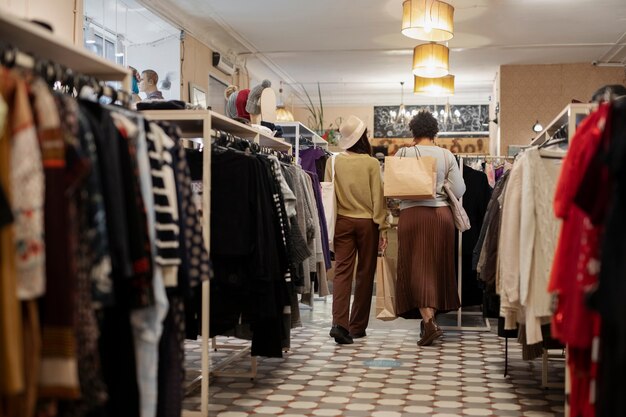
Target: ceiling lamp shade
283 115
428 20
434 87
431 60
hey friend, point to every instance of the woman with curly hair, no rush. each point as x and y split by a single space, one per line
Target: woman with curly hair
426 282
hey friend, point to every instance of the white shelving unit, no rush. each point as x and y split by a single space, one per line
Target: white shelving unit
570 116
198 124
293 131
32 39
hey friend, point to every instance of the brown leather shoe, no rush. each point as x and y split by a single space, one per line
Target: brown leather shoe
431 333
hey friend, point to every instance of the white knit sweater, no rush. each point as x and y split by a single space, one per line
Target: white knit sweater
528 242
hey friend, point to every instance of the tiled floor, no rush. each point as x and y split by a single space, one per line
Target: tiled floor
384 375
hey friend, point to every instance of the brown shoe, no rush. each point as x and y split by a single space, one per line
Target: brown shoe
431 333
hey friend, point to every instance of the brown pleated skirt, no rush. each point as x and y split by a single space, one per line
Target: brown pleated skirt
426 273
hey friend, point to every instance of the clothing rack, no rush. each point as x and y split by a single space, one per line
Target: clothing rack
485 157
58 76
298 134
220 136
459 314
200 126
46 52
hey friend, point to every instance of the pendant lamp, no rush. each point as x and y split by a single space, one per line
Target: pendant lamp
282 114
434 87
428 20
431 60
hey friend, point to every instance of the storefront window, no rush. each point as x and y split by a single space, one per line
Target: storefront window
125 32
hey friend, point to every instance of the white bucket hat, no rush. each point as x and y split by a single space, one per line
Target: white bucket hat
351 131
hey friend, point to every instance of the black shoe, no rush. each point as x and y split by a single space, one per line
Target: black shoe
341 335
358 335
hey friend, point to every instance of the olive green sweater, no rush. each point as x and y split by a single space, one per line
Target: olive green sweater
359 188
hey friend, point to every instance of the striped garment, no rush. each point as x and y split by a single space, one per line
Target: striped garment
160 146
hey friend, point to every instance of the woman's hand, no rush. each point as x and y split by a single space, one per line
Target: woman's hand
382 243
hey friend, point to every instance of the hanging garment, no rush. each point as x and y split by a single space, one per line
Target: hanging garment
485 256
116 338
59 376
317 194
30 189
93 394
160 147
19 123
611 292
249 284
538 239
475 202
6 217
309 160
146 322
507 279
104 133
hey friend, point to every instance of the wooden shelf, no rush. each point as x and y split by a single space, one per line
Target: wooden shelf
191 123
33 39
571 115
290 129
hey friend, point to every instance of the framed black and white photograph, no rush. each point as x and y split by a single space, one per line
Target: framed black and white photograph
470 120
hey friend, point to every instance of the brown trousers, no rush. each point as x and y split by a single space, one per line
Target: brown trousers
354 237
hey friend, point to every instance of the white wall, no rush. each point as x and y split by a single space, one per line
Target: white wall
162 57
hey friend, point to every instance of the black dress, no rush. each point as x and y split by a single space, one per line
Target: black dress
475 201
611 293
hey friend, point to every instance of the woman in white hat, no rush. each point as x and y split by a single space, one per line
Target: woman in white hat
360 230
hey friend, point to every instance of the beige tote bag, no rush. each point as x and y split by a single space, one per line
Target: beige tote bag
385 288
410 178
329 201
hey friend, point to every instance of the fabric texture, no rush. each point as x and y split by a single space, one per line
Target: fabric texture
538 239
146 322
359 189
165 204
6 217
426 272
155 95
29 189
20 119
611 292
509 248
354 238
475 201
59 365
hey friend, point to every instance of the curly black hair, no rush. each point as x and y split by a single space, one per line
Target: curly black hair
424 125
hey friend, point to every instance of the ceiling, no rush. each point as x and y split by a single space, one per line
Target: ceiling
355 50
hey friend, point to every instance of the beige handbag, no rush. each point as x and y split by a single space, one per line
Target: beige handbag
461 220
329 201
410 178
385 288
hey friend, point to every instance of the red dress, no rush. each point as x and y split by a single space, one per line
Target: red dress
576 264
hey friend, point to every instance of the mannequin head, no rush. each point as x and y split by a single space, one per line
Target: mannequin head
148 82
